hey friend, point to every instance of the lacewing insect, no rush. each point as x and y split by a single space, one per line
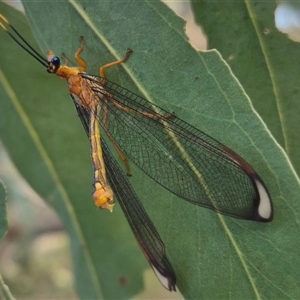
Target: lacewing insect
181 158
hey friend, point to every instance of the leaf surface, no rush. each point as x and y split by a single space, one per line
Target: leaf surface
264 60
213 256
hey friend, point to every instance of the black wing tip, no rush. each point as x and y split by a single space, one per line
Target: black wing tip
263 203
172 286
167 278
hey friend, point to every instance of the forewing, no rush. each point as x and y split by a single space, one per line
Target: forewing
181 158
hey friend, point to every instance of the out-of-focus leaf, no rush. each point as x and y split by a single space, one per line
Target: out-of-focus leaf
3 211
4 290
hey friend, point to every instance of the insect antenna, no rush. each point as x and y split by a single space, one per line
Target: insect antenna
29 49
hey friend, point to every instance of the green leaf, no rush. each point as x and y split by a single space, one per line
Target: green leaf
3 211
4 290
213 256
264 60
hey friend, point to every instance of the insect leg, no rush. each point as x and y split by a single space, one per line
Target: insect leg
112 64
78 59
66 59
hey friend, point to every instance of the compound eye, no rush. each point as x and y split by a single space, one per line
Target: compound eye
55 61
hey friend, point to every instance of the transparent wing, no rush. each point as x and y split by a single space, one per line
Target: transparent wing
140 223
181 158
